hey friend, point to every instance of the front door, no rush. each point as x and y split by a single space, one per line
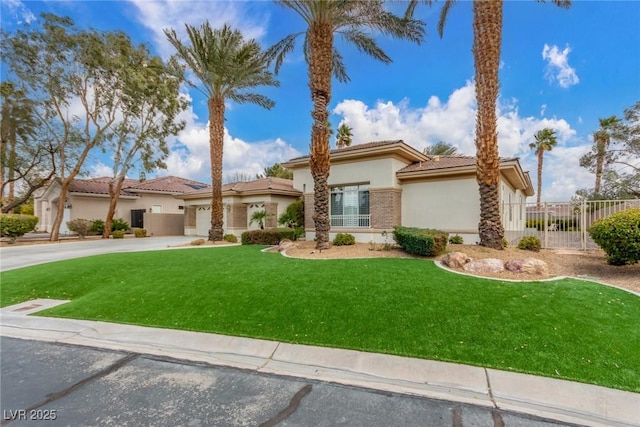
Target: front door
137 218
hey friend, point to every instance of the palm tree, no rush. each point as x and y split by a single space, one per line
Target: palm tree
545 141
344 136
487 40
602 139
324 19
227 66
441 148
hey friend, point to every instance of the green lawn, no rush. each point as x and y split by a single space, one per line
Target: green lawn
567 329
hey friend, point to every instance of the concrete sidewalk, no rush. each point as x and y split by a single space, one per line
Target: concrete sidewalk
544 397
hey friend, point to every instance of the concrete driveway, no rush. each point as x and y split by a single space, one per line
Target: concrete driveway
13 257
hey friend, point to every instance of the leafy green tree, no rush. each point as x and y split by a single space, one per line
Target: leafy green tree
441 148
345 136
150 104
277 171
227 66
324 19
487 41
545 141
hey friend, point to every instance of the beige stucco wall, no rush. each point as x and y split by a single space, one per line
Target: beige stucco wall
512 205
164 224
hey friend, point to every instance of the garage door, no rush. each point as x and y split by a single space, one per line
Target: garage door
203 220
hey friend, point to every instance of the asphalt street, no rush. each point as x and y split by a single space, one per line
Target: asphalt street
63 385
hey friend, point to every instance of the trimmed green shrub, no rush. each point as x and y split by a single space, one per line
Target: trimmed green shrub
619 236
456 240
530 243
140 232
421 241
231 238
344 239
293 216
97 227
118 234
119 224
80 226
271 236
14 226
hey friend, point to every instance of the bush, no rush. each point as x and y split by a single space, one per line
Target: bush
118 234
421 241
456 240
231 238
619 236
119 224
344 239
80 226
140 232
14 226
530 243
97 227
293 216
271 236
505 242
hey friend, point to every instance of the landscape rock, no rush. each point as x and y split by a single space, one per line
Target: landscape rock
198 242
456 259
489 265
285 244
527 265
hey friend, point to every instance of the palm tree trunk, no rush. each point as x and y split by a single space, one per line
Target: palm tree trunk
487 38
540 160
600 153
216 144
320 71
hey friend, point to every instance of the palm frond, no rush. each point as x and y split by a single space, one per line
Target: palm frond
252 98
444 14
281 49
366 44
339 70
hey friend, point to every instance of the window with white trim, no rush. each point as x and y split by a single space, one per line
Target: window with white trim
350 206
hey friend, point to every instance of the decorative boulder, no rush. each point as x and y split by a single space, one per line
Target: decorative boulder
198 242
489 265
527 265
456 259
285 244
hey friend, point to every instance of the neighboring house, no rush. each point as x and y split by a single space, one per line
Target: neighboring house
146 204
379 185
240 200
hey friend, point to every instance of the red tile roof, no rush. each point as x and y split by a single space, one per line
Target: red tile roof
374 144
259 186
445 162
166 184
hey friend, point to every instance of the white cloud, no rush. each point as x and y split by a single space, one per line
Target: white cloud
99 170
543 108
17 10
558 68
453 122
158 15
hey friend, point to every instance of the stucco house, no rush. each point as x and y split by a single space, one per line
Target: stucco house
379 185
148 204
240 200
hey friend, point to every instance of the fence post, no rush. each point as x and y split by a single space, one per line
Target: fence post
583 224
545 225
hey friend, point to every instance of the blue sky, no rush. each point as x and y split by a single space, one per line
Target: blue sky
560 68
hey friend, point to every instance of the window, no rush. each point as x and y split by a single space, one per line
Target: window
350 206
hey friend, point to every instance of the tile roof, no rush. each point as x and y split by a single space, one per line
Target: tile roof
166 184
264 185
445 162
357 147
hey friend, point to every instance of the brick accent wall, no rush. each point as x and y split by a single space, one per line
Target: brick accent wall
385 207
308 212
238 216
272 215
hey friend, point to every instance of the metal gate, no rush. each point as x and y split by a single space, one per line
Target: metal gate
563 225
137 218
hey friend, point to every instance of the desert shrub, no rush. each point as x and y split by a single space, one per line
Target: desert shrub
456 240
271 236
97 227
231 238
505 242
619 236
80 226
119 224
530 243
14 226
140 232
118 234
344 239
421 241
293 215
198 242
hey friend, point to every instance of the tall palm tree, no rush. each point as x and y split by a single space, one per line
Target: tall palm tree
324 19
344 137
545 141
602 139
227 66
487 40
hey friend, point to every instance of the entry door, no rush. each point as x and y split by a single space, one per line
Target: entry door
137 218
